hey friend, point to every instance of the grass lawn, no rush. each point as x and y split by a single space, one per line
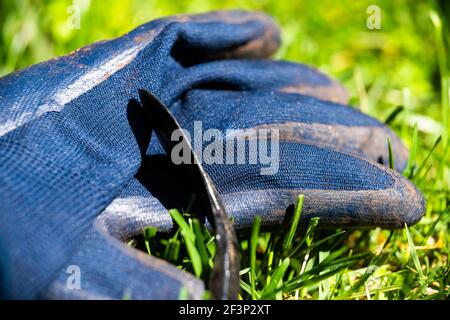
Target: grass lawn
399 74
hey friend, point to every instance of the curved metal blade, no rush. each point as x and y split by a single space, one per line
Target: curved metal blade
224 281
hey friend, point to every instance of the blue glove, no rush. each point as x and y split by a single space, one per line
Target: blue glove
77 175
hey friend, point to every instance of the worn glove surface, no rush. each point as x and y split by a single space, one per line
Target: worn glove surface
77 175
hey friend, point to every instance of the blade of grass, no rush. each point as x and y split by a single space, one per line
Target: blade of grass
190 240
184 226
309 233
172 251
330 265
245 286
414 256
148 233
391 154
183 294
307 282
200 243
277 277
274 244
324 285
244 271
294 224
393 115
193 254
317 243
424 162
253 245
409 171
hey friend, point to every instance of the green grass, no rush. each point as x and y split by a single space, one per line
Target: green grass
291 262
399 74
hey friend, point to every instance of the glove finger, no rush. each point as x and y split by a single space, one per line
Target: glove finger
225 34
108 269
298 118
343 190
249 75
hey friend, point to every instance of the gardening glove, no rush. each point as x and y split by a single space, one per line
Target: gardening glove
101 151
